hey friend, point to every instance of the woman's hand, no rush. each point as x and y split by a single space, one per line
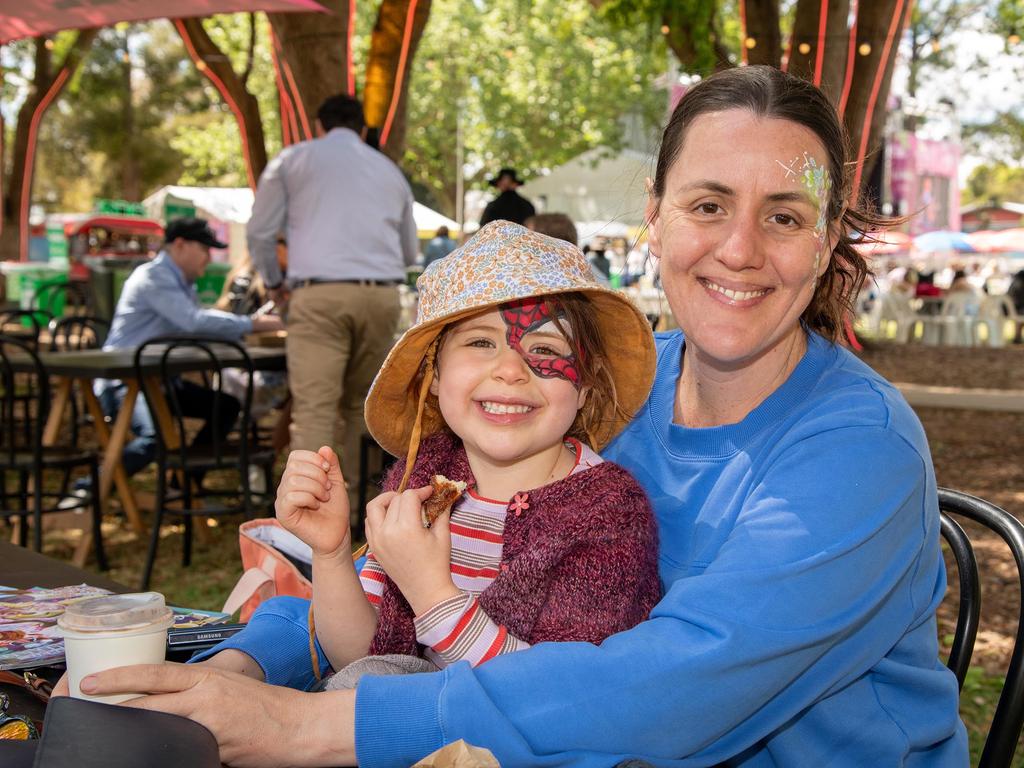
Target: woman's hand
255 724
312 502
230 660
417 559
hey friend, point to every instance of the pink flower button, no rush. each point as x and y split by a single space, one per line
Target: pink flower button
519 504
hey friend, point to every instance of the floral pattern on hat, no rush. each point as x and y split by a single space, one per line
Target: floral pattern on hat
500 263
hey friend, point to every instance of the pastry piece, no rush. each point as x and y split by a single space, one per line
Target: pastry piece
446 492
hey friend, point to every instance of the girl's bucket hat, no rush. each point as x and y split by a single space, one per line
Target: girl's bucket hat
503 262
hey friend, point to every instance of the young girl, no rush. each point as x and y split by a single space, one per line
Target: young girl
518 369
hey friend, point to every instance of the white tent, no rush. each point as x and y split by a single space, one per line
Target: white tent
229 209
596 190
428 220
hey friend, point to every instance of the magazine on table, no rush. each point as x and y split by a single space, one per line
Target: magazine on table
30 637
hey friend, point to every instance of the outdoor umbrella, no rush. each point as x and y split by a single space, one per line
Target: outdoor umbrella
28 18
943 241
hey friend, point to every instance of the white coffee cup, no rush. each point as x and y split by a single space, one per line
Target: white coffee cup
113 631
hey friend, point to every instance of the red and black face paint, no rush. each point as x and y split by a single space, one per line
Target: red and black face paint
524 317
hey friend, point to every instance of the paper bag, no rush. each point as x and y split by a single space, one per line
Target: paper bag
459 754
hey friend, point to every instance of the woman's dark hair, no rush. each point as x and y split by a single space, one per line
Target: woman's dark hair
769 92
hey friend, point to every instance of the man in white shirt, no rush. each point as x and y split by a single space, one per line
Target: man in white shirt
347 213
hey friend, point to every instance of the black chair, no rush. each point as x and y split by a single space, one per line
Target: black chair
24 324
76 333
1009 717
67 296
183 468
30 460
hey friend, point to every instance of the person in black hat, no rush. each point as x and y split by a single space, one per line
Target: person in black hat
159 298
509 204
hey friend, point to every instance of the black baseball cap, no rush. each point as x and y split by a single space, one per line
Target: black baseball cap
192 229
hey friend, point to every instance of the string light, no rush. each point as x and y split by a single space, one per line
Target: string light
664 29
201 65
864 49
48 44
936 46
1013 39
750 42
804 48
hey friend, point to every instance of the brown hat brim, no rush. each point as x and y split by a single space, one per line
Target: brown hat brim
390 409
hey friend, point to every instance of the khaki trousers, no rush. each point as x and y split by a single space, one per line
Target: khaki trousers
338 337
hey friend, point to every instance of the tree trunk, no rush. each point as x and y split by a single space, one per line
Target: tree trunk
880 23
131 182
824 62
47 83
762 22
390 63
314 48
216 66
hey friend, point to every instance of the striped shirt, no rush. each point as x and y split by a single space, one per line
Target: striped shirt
458 628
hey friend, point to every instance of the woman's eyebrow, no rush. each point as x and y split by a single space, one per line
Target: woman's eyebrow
792 197
709 185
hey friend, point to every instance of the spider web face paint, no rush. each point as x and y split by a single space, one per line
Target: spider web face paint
524 317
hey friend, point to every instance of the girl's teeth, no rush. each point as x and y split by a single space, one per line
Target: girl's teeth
499 408
736 295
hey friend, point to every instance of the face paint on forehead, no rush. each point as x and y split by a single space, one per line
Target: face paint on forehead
527 316
816 180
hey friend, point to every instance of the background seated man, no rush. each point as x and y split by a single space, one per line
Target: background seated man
159 298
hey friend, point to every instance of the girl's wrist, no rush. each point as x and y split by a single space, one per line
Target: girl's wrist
421 603
342 555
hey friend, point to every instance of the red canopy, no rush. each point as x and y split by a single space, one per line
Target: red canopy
28 18
126 224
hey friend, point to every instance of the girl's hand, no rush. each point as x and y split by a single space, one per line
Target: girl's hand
312 502
417 559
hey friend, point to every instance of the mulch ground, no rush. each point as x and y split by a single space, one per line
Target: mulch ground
978 452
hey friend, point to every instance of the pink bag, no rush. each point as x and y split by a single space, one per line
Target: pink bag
268 572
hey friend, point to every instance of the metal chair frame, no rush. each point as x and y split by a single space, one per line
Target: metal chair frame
1009 716
30 459
188 465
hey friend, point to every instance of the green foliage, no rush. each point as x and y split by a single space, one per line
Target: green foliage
1000 182
211 149
178 129
533 85
1010 18
691 26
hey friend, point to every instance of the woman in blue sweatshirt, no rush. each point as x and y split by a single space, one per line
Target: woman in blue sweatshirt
796 503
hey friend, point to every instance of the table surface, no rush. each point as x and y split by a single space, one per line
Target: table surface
120 363
23 568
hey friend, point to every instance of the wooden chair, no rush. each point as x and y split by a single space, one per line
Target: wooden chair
1009 717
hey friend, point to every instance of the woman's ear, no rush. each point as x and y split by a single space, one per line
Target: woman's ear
651 219
433 384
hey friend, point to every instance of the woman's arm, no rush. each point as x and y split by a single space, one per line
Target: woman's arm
828 569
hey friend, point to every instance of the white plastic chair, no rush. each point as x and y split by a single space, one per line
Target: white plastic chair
895 308
995 312
955 323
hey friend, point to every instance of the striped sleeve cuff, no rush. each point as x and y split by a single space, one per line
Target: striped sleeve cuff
458 629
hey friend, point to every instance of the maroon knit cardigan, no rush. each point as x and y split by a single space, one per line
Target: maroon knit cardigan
579 564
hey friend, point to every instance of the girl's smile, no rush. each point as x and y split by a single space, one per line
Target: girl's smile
507 401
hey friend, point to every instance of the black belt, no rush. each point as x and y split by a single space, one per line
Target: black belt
318 281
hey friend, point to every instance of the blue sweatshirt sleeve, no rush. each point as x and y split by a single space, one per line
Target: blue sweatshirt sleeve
832 558
277 638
